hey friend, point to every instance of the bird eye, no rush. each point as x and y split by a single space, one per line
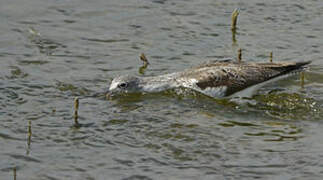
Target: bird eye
122 85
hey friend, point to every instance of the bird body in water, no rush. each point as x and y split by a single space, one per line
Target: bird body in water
215 78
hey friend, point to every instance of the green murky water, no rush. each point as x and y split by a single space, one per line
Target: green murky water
52 51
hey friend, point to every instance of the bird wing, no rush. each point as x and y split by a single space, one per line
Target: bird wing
237 76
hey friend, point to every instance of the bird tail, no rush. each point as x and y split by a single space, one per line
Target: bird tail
288 67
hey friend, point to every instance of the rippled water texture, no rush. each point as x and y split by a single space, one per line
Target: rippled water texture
52 51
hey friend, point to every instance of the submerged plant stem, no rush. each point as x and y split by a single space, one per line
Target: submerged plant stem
271 57
15 173
29 133
76 107
302 79
239 55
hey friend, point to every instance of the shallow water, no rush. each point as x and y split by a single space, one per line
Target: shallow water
53 51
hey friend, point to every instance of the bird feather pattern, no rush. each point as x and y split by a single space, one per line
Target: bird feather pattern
237 75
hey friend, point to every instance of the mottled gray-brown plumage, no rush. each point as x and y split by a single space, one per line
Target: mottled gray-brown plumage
214 78
238 76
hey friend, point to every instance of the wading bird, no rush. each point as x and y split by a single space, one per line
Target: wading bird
215 78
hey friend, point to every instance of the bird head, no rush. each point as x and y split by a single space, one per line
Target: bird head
124 84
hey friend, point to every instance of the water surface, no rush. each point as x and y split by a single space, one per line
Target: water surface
53 51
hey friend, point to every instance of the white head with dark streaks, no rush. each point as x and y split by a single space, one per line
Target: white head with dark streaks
125 84
135 84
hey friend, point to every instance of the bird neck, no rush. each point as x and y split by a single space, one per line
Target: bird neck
159 83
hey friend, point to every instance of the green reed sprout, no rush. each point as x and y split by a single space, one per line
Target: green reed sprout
234 18
145 63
